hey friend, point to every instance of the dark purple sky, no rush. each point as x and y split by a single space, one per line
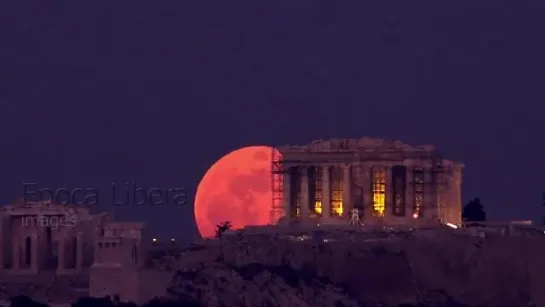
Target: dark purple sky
156 92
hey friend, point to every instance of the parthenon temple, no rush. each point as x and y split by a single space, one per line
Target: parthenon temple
384 182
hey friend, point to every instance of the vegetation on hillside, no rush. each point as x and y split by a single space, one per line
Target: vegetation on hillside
474 211
222 228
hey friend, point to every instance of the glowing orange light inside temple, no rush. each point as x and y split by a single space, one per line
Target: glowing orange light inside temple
379 192
337 206
318 207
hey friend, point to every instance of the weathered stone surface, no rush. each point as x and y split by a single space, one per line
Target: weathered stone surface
433 267
46 246
220 284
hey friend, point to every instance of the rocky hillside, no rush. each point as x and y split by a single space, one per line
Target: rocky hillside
431 268
257 285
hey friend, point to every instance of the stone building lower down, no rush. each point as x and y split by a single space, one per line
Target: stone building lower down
38 237
49 246
390 183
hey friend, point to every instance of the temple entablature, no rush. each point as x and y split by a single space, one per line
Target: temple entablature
356 144
124 229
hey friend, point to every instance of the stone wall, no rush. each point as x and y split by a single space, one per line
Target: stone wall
113 281
152 283
497 270
139 286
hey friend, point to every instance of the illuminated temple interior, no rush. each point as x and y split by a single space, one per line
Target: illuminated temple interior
387 182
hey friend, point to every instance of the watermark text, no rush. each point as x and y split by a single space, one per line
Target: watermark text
49 221
121 194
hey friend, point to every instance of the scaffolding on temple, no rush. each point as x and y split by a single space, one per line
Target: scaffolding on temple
355 218
440 184
277 174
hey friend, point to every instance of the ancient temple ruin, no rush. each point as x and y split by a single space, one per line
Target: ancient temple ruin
388 183
50 237
49 246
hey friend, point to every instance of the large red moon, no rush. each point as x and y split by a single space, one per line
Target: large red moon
237 188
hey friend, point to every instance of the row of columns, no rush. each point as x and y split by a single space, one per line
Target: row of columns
19 245
126 252
347 190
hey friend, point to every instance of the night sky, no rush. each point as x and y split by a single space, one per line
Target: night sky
155 92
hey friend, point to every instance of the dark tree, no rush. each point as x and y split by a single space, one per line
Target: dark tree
172 303
222 228
474 211
25 301
102 302
93 301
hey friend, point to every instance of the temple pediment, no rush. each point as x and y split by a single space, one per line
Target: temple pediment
356 144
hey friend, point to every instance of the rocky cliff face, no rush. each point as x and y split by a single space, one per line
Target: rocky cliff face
257 285
434 268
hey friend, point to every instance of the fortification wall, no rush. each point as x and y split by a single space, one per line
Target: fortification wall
498 270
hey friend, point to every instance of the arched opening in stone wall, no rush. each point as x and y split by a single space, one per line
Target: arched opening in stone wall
418 188
5 248
50 251
311 179
71 253
337 191
28 251
8 252
379 191
398 190
294 184
48 242
358 199
318 176
135 254
88 253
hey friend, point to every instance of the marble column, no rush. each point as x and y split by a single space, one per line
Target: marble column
367 191
388 192
60 254
15 252
304 208
79 252
34 256
139 254
455 205
347 190
457 191
326 192
286 193
409 191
